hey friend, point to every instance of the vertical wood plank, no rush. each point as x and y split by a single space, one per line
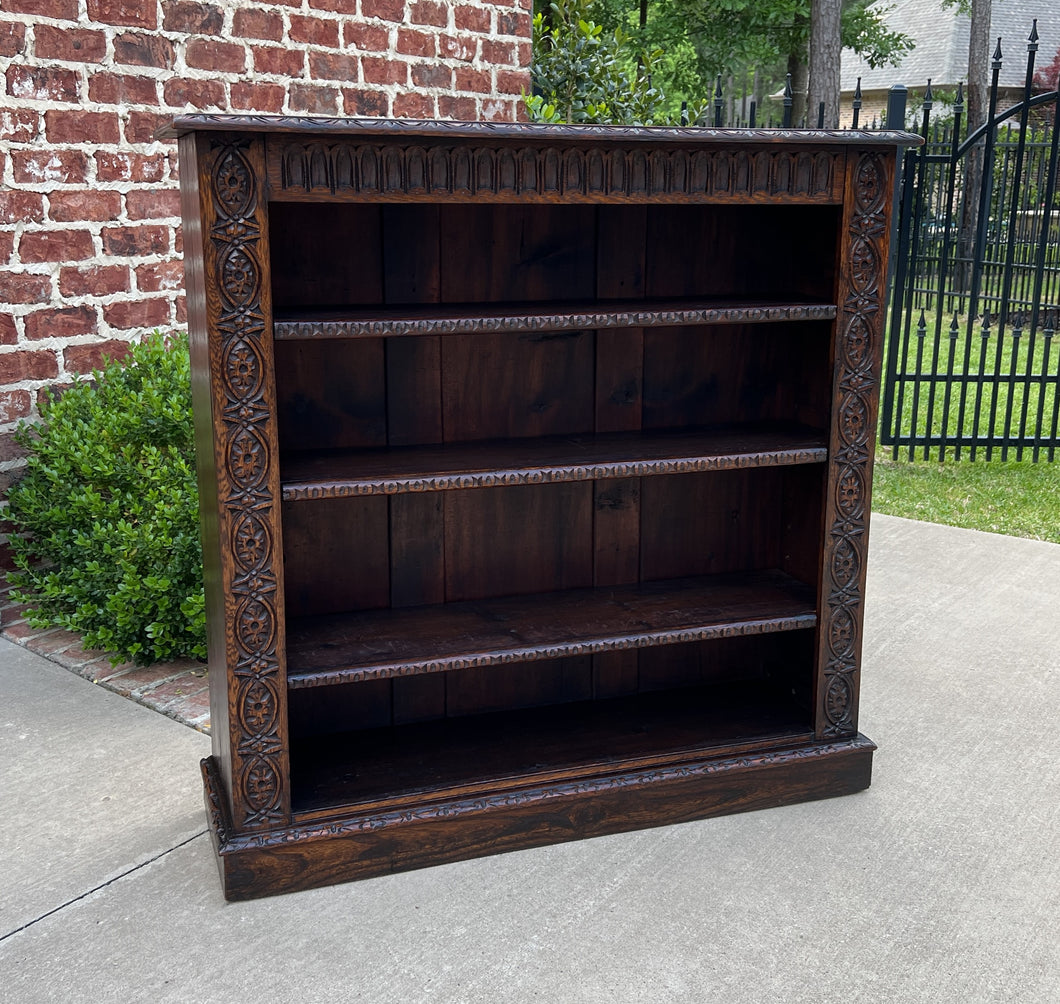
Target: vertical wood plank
417 576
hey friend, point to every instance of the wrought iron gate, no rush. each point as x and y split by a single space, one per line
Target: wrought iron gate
973 358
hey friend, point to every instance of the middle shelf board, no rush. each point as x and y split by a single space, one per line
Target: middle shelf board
408 641
482 318
546 460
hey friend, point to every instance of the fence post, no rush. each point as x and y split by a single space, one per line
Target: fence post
897 97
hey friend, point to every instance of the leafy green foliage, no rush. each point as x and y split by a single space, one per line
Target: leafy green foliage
583 74
106 518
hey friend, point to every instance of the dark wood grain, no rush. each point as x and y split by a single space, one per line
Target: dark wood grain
544 460
506 631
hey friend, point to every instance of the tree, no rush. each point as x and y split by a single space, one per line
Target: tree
825 46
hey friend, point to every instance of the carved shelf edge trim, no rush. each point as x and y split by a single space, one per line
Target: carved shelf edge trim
528 322
694 766
537 652
306 490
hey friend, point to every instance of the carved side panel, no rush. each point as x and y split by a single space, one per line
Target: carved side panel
857 354
347 168
238 319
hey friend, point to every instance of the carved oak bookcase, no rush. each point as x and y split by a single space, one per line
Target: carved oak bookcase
535 468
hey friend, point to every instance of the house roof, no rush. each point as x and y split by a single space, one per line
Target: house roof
941 53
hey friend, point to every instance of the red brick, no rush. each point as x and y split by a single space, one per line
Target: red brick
130 167
141 127
513 23
86 358
56 245
192 18
432 75
12 38
81 127
415 43
283 62
258 97
503 111
128 13
21 207
25 287
478 81
11 450
388 10
19 125
366 37
338 6
84 206
429 12
178 240
130 242
526 54
43 83
218 57
162 277
251 23
413 106
7 246
314 31
334 66
65 10
472 19
15 404
456 47
383 71
363 102
152 203
498 53
314 100
460 109
135 49
63 322
182 93
75 45
8 330
180 315
122 89
95 280
513 82
137 313
27 364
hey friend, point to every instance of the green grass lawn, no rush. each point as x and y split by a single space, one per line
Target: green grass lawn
1018 498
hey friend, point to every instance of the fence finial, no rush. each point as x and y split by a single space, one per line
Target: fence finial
996 64
1032 42
958 103
929 98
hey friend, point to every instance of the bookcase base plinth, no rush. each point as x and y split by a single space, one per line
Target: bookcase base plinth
378 840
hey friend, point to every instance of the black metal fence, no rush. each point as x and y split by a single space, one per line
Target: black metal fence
973 364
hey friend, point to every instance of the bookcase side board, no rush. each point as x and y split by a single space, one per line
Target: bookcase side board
535 467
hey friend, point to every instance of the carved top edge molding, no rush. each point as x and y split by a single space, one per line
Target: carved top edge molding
522 132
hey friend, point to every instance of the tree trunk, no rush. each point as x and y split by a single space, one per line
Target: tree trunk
825 47
976 104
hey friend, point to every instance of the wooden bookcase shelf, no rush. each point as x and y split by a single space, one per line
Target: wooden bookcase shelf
535 467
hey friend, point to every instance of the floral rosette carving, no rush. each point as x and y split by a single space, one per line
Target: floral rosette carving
239 319
856 385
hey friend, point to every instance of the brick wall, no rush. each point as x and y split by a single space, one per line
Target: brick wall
90 243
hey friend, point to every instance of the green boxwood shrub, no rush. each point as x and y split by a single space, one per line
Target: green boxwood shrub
106 518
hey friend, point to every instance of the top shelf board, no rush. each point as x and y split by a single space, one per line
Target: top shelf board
464 319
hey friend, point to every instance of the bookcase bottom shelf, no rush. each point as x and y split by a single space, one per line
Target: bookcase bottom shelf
617 798
455 757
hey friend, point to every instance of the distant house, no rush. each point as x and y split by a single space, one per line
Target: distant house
941 53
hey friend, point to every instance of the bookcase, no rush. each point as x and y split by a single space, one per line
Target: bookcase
535 467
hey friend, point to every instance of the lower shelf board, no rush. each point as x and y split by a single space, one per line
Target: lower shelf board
358 844
455 757
376 644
